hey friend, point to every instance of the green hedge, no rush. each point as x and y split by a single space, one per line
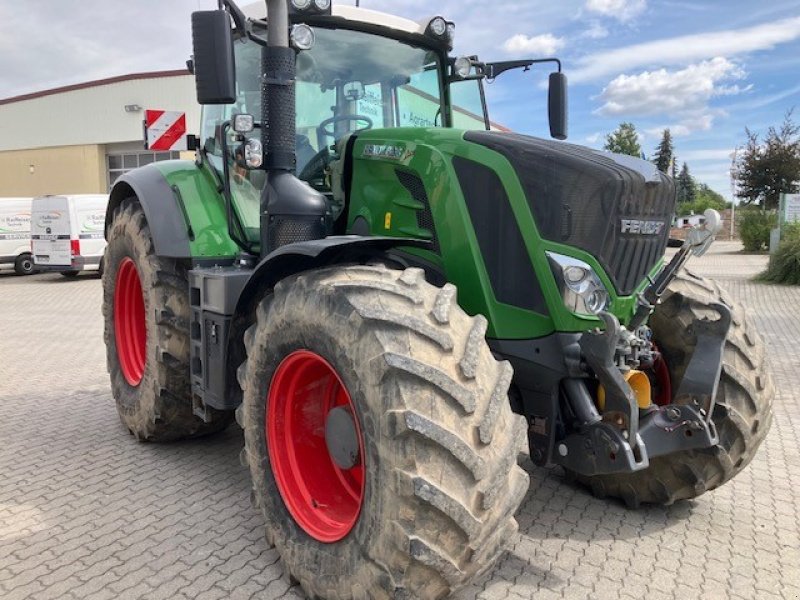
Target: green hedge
784 265
754 228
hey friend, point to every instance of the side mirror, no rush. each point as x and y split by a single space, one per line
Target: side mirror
557 106
214 68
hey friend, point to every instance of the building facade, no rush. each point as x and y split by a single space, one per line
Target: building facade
78 139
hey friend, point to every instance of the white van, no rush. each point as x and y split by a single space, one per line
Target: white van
15 235
67 233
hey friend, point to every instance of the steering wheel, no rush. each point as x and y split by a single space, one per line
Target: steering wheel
314 171
322 129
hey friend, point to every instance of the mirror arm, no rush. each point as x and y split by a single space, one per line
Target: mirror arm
236 14
493 70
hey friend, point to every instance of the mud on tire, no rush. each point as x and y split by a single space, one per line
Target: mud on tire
742 414
442 482
159 407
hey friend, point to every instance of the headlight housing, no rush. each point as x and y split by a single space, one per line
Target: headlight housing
581 289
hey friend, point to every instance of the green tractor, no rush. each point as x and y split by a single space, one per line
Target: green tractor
390 295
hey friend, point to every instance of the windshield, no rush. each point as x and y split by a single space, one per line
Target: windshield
351 81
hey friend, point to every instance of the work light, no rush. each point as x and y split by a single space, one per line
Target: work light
311 6
302 37
462 67
438 27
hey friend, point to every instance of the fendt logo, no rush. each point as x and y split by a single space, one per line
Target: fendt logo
638 227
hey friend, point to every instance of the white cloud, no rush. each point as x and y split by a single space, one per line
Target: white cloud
700 121
544 44
670 92
596 31
623 10
684 49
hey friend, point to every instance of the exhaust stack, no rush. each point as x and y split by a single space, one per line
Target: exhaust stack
291 211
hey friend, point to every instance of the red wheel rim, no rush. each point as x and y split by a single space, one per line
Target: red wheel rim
324 499
130 329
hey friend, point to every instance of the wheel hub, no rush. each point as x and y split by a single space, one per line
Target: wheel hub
341 438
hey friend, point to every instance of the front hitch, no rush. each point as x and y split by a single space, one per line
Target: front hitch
625 439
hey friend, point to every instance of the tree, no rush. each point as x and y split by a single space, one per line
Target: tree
765 170
624 140
686 186
665 154
705 198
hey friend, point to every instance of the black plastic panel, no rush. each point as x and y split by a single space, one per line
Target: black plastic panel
499 237
582 197
415 187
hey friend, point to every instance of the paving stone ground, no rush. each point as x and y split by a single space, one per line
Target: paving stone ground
88 513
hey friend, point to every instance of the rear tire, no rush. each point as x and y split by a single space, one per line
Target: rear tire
70 274
438 439
24 265
147 314
742 413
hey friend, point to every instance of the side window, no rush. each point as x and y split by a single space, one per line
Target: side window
212 117
248 98
314 105
467 105
419 100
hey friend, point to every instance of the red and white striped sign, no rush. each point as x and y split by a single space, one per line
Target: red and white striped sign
165 130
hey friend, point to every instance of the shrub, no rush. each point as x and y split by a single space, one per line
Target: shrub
754 228
784 265
791 232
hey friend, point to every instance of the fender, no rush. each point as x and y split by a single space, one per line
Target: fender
284 262
302 256
168 223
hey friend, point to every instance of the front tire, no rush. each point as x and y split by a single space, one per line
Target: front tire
24 265
742 413
429 500
147 314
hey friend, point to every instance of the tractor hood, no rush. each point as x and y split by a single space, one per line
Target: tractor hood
617 208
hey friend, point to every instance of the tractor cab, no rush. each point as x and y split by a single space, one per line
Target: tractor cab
356 70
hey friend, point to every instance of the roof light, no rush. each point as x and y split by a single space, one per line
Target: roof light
311 6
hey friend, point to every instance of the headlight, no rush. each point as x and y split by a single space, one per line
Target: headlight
581 288
322 4
254 153
301 4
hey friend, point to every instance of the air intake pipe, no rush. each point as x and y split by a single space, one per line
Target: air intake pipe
291 211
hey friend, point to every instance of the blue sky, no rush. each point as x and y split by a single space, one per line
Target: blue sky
706 69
